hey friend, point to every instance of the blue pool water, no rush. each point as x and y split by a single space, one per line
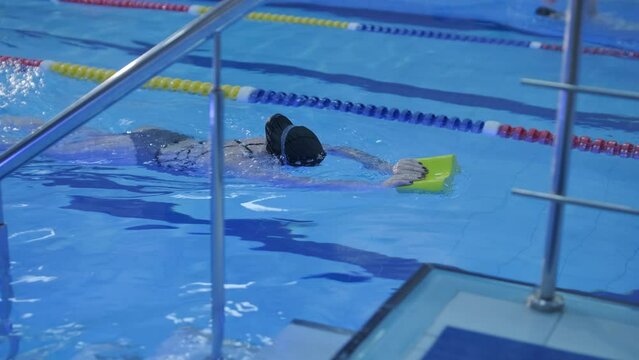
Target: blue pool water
114 260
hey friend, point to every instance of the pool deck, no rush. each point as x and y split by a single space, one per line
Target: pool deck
444 313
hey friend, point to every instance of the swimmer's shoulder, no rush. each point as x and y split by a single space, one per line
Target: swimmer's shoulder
254 140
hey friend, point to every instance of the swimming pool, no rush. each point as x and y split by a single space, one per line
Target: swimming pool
112 259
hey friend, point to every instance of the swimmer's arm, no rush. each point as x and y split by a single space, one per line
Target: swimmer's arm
31 124
310 183
404 172
369 161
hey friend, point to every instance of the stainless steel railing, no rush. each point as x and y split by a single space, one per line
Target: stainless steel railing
6 291
632 95
545 297
127 79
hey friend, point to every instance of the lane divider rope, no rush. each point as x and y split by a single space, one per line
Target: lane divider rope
95 74
249 94
131 4
354 26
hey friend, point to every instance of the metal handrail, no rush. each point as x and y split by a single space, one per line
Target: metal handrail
217 254
127 79
545 298
6 291
574 201
116 87
632 95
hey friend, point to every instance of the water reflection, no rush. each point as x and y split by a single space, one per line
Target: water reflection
6 293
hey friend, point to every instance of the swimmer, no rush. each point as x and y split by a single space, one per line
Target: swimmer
598 20
260 158
590 10
548 12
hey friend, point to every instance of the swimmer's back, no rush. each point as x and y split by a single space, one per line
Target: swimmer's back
149 141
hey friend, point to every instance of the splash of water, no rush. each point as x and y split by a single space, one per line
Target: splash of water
18 83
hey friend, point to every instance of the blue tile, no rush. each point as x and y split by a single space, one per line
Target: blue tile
456 343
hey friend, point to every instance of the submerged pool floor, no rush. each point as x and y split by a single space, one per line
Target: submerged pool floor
121 253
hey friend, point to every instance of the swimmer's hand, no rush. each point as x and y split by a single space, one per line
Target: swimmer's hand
405 171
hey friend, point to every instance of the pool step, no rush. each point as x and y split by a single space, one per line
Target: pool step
306 340
447 313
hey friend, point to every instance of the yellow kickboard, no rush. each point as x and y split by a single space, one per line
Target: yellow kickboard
440 169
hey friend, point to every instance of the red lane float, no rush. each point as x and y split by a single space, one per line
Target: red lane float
132 4
21 61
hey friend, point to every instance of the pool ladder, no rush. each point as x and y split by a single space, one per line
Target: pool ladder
127 79
545 297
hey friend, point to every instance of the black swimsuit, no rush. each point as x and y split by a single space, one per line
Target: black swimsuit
149 142
248 152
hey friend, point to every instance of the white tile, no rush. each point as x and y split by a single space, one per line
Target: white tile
302 342
512 320
596 336
421 347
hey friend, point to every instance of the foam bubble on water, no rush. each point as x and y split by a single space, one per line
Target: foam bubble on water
195 284
33 279
125 122
33 235
18 82
195 195
226 286
37 172
251 205
232 312
265 339
245 306
238 286
16 300
203 287
176 320
196 291
91 162
16 206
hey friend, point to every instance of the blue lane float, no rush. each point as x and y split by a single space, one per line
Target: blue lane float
443 35
490 127
263 96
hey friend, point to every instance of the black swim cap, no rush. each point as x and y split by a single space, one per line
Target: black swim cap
544 11
293 145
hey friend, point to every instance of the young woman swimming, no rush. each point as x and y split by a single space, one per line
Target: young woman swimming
590 10
265 159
